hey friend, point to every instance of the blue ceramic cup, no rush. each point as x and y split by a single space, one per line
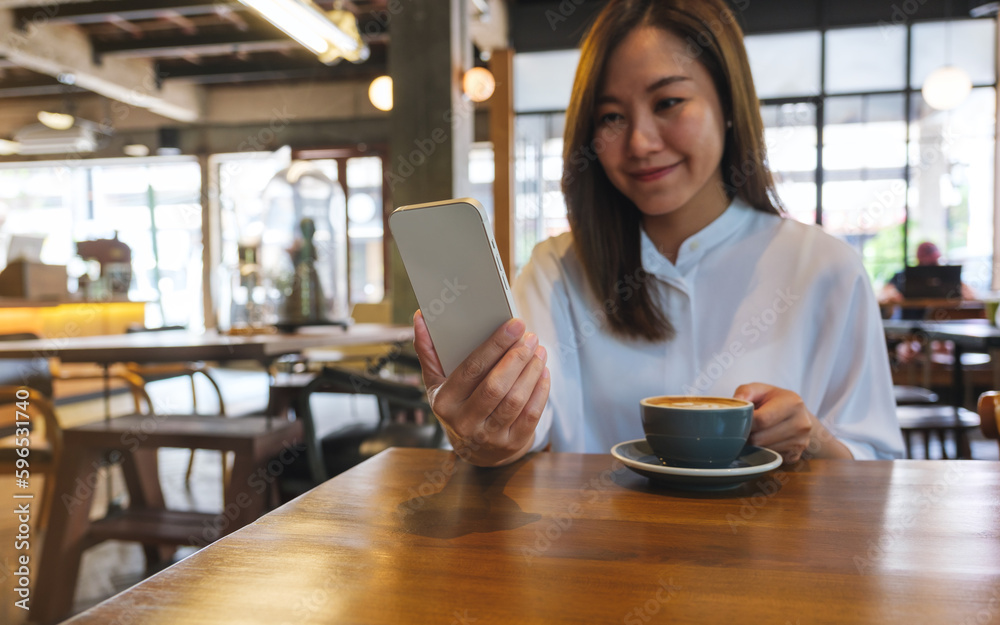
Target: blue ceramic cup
690 431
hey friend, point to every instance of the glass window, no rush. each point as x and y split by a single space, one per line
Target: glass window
864 190
540 211
365 228
951 183
543 81
865 133
968 46
866 59
238 189
785 65
152 205
481 174
790 135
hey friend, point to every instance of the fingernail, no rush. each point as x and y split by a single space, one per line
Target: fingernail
545 373
531 340
540 353
515 328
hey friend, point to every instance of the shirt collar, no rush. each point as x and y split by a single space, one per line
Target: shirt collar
731 221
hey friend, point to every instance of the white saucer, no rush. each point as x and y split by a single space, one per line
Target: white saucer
752 461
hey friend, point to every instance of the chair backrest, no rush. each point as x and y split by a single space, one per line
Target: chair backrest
31 372
356 382
989 414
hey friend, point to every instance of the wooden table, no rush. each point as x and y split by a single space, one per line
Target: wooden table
412 537
180 345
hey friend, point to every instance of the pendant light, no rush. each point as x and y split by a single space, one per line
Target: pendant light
947 86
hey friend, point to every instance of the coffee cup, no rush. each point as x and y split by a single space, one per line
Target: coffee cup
691 431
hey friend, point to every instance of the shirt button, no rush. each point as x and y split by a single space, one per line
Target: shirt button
694 246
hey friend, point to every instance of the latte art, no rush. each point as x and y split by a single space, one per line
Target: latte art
697 403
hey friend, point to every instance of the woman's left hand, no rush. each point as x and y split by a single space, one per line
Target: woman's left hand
781 420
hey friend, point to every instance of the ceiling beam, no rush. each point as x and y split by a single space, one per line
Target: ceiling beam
208 44
104 10
277 68
35 87
62 49
258 39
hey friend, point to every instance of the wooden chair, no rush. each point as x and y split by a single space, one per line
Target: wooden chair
931 420
913 395
157 371
989 415
340 450
30 383
44 444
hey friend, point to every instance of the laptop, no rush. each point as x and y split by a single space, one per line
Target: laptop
933 282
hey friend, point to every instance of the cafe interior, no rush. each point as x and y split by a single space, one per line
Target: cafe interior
192 432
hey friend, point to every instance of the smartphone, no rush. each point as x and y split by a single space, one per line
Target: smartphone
455 269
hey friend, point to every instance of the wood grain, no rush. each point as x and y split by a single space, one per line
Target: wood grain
411 536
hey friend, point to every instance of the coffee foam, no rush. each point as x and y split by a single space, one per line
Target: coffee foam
697 403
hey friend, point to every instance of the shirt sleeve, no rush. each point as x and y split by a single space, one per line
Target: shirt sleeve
858 407
542 299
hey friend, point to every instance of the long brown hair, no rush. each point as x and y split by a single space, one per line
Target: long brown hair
605 224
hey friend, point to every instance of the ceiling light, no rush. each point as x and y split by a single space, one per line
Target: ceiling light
8 147
478 84
380 93
331 36
56 121
946 87
136 149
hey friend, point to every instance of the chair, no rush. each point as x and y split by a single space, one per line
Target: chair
989 415
913 395
935 419
28 384
340 450
154 372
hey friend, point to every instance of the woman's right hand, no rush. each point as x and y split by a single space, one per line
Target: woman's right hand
489 406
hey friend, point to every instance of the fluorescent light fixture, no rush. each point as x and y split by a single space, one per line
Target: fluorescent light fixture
380 93
330 36
8 147
56 121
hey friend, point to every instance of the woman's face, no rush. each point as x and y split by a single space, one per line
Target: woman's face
661 124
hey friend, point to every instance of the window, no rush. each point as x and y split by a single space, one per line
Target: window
540 210
241 182
152 205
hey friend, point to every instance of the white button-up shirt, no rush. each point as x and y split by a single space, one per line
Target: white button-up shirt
753 298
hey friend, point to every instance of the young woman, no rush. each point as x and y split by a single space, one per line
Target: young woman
679 275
